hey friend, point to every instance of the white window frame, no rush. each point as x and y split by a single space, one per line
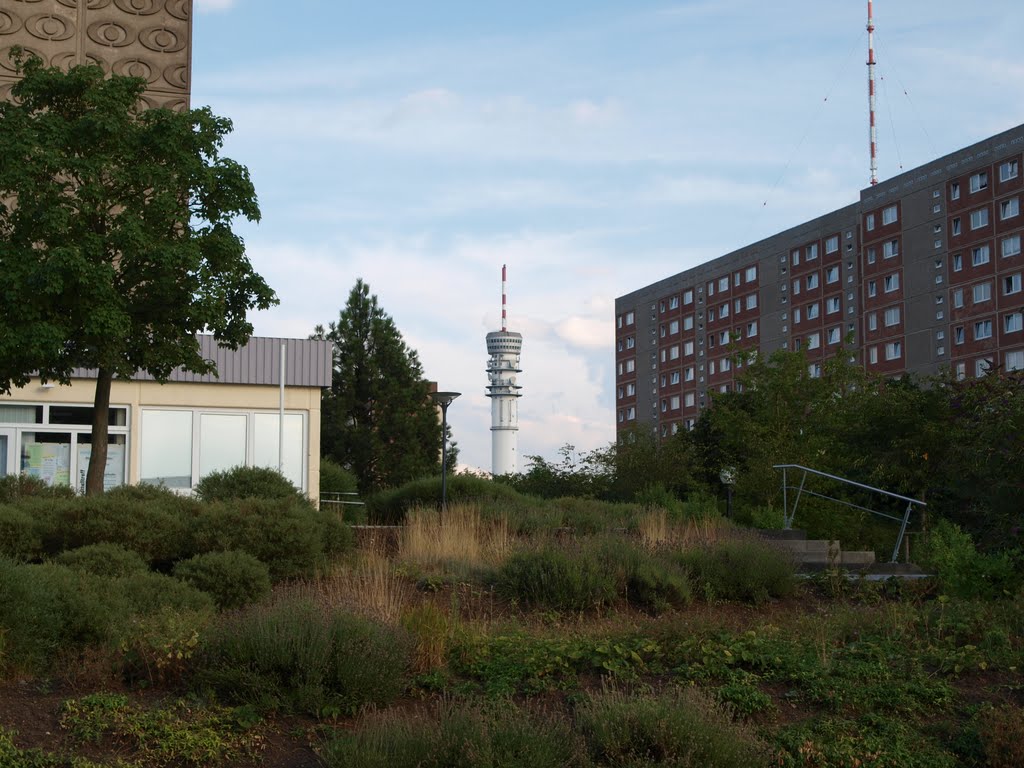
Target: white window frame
890 215
979 218
1008 170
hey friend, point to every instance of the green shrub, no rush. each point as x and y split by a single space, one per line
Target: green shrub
297 657
246 483
19 539
460 736
103 559
390 507
1002 736
551 577
678 729
334 478
647 581
233 579
14 488
46 609
285 533
965 572
155 527
148 593
748 571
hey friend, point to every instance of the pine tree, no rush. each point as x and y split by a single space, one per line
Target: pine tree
378 419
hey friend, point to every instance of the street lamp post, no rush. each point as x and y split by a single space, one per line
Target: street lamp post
728 478
444 399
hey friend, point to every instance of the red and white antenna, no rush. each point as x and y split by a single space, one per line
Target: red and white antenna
504 293
871 95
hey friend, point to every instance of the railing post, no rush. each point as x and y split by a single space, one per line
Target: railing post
903 530
800 490
785 501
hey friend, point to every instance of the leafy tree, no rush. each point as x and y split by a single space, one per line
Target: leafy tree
115 236
378 418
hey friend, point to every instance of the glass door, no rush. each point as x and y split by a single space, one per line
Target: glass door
7 452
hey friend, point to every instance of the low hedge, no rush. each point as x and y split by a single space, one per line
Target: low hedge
234 579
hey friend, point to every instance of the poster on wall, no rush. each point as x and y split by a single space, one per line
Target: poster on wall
113 473
50 462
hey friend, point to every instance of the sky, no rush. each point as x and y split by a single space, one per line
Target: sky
592 146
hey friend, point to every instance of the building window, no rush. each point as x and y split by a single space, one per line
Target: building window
979 181
723 311
832 244
1013 322
982 293
1010 246
893 350
166 448
751 301
1009 208
711 315
688 323
674 403
752 329
979 256
812 281
723 338
629 318
673 302
813 311
812 252
814 370
620 393
871 255
832 305
979 218
833 335
982 330
888 215
688 296
872 288
796 316
982 366
673 352
725 364
751 274
688 348
958 262
957 226
869 222
892 282
688 373
673 377
1008 170
631 413
958 298
814 341
690 399
630 365
796 285
832 274
723 284
795 255
673 327
890 249
630 342
1011 284
1015 360
736 279
892 317
958 335
872 321
873 355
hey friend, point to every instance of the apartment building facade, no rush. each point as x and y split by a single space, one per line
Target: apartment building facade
922 273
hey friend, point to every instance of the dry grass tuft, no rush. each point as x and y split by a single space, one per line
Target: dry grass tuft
656 531
431 538
369 586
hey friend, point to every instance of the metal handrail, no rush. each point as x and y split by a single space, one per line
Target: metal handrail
787 516
333 498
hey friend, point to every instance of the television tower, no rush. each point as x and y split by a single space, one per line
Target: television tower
504 347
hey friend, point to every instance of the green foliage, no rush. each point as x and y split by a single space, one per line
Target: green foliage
19 538
1002 736
119 249
334 478
234 579
377 419
678 728
177 735
103 559
13 757
551 577
246 483
287 534
874 741
460 736
965 572
748 571
13 488
647 580
295 656
390 507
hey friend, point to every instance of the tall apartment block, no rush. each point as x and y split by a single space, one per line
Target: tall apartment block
922 273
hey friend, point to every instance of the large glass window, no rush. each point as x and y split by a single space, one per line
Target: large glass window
113 473
222 442
166 453
47 456
266 441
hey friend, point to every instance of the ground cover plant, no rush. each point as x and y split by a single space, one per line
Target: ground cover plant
661 639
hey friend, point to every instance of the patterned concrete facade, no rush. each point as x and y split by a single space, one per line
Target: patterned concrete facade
143 38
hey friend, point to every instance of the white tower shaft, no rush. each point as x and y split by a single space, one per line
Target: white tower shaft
871 95
503 349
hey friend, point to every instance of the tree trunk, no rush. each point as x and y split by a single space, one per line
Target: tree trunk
100 434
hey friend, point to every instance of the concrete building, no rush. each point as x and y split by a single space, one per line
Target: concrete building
923 272
177 433
143 38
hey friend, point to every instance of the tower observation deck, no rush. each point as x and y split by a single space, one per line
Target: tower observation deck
503 349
